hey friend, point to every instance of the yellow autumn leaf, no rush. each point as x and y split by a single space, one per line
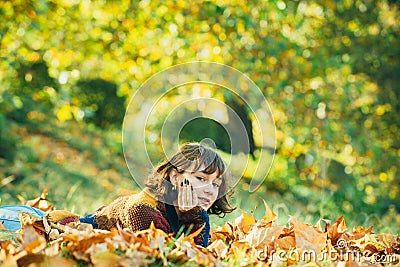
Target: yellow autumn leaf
308 237
244 222
269 216
219 247
156 232
32 241
337 229
191 236
263 237
105 259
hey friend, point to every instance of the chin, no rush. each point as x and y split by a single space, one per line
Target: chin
204 207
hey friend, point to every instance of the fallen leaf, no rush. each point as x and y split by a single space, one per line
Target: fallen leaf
81 242
232 244
370 248
225 232
32 241
386 239
10 236
323 224
288 231
244 222
59 262
31 259
336 230
105 259
269 216
263 237
308 237
219 247
7 259
357 234
372 240
135 258
26 218
347 264
191 236
286 243
41 202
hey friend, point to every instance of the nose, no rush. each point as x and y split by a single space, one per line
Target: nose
208 189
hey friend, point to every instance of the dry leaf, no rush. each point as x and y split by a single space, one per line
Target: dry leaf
81 243
32 241
288 231
225 232
219 247
244 222
135 258
41 202
26 218
285 243
58 262
269 216
105 259
31 260
232 243
386 239
308 237
347 264
336 230
356 237
371 240
263 237
191 236
8 259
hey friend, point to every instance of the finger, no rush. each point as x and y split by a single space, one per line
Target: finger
180 195
194 196
189 197
187 193
183 203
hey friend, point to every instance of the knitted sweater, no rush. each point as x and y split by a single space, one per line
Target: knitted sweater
139 210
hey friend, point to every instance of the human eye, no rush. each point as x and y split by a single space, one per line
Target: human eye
200 178
216 185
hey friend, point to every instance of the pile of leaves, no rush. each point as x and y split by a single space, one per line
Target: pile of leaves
244 242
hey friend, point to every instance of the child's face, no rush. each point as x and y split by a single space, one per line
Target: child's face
205 185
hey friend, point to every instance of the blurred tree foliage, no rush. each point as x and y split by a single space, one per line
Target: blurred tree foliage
329 70
100 103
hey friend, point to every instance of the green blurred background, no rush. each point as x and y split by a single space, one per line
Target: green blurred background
329 70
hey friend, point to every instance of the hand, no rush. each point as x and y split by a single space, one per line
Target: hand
187 197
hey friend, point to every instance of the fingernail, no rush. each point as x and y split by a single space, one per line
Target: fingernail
181 183
191 187
186 181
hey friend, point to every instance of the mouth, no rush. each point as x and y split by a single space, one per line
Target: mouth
204 200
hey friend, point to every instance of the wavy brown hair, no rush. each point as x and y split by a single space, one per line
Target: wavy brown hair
197 157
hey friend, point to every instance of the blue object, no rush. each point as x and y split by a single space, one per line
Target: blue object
90 219
206 230
9 215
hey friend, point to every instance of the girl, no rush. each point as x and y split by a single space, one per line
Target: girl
179 195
